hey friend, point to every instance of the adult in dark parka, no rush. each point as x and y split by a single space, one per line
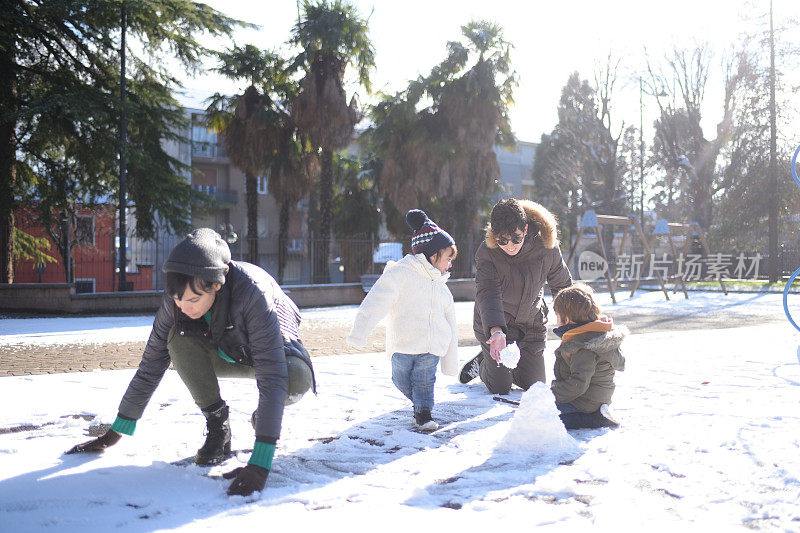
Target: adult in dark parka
220 318
518 257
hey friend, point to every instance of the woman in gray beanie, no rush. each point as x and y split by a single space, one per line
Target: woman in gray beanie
220 318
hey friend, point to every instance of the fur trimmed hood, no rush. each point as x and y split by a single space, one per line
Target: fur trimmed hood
596 341
602 337
540 221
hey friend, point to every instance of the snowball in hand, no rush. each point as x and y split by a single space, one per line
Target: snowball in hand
536 427
509 356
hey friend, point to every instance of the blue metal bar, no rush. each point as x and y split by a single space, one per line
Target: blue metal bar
786 297
796 272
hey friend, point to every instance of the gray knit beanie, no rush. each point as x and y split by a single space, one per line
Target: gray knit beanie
202 254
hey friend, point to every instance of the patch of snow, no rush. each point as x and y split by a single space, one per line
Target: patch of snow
536 428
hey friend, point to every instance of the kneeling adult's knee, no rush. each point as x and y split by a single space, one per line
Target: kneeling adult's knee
497 379
300 379
495 389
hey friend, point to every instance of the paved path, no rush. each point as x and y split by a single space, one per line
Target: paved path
321 336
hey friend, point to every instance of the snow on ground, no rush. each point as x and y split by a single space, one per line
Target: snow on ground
709 441
75 330
94 330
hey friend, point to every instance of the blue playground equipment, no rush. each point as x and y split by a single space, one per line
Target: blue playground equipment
796 272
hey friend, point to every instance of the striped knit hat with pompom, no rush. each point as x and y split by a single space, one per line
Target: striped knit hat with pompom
428 238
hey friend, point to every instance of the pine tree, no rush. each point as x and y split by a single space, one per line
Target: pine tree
60 106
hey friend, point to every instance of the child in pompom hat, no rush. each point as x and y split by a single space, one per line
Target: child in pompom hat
421 330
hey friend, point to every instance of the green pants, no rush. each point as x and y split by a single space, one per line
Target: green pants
199 365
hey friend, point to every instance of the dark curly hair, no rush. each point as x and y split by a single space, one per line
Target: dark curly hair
507 217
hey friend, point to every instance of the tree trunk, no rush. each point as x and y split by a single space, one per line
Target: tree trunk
283 235
702 202
59 232
704 182
325 194
610 180
251 194
8 170
572 220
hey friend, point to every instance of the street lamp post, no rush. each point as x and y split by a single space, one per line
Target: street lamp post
641 147
123 141
641 154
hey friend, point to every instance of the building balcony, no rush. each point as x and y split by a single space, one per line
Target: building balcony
227 196
208 150
222 196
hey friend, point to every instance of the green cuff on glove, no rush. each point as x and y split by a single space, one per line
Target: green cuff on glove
124 426
262 455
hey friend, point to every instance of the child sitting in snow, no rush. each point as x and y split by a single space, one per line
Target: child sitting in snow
587 359
421 329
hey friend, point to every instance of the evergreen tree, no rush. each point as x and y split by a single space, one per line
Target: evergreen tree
356 217
60 106
742 199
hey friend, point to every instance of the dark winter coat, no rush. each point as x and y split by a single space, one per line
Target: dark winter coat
252 319
586 362
510 288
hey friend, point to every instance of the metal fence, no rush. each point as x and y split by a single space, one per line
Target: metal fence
94 264
347 260
94 261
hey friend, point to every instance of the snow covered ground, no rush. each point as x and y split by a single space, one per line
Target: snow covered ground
709 441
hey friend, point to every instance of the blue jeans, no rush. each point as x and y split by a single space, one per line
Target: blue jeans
414 375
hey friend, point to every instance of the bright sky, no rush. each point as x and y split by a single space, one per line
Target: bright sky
551 40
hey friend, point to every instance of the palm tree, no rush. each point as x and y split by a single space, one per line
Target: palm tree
251 123
441 157
331 36
260 136
294 168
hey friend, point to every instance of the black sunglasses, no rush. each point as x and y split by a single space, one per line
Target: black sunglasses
516 239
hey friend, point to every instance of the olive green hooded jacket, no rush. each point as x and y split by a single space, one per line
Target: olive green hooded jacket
586 362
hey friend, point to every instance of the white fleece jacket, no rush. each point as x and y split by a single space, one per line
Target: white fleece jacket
422 315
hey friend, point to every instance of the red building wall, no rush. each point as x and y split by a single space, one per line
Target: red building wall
93 256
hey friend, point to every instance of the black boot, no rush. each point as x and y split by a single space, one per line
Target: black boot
218 440
471 370
423 420
598 419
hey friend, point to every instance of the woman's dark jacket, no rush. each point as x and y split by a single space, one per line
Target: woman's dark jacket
251 320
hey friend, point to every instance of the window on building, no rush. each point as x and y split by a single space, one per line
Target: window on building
527 190
84 230
262 183
205 180
263 225
204 140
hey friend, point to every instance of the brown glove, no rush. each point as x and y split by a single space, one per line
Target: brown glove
249 479
99 444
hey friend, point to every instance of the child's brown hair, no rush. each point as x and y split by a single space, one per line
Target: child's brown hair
452 248
576 303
